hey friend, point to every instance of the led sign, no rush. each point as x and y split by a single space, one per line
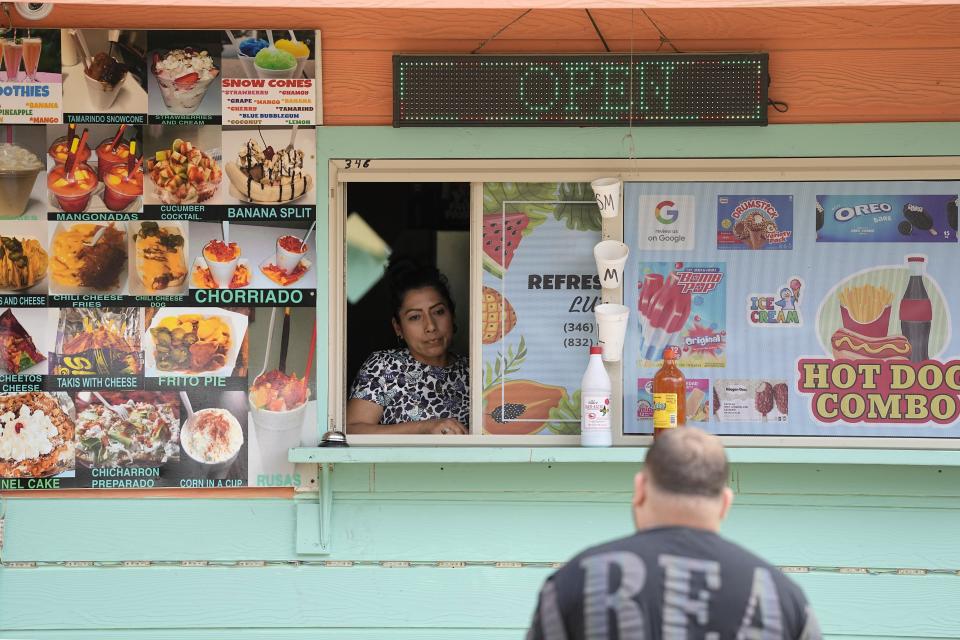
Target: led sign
571 90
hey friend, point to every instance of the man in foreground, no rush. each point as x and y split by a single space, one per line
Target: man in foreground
675 577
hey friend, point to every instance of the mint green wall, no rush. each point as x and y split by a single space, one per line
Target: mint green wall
881 518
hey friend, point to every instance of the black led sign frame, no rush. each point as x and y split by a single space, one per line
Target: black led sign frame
580 90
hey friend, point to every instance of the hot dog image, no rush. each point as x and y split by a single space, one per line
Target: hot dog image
849 345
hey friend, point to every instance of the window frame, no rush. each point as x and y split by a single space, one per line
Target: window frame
478 171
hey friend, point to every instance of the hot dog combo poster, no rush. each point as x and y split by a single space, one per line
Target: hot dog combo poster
800 308
157 265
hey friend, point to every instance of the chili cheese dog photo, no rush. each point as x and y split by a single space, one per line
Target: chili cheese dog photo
161 264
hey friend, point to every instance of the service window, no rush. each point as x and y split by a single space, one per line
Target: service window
810 298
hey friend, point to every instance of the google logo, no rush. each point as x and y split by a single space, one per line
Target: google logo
666 212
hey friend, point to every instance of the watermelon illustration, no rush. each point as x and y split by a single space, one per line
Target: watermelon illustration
501 237
496 307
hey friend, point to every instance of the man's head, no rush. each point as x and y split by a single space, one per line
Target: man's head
683 482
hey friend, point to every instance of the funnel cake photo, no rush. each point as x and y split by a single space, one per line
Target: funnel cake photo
36 436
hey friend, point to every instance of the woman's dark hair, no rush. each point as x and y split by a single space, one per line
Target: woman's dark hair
405 275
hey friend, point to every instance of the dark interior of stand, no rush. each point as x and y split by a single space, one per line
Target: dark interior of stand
428 222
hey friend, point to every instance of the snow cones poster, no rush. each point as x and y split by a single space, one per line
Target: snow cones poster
540 286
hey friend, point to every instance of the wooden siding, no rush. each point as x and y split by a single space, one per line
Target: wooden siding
837 64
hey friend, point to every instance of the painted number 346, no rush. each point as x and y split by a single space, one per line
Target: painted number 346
356 164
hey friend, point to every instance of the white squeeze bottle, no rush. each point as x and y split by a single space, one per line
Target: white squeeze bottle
595 404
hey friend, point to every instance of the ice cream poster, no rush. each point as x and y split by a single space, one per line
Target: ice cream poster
750 400
755 222
884 331
887 218
684 304
696 407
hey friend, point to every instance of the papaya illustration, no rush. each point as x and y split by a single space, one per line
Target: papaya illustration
524 400
495 309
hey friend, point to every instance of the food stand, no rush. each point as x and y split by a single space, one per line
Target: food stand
487 522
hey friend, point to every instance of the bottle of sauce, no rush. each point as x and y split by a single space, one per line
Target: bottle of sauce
669 394
595 406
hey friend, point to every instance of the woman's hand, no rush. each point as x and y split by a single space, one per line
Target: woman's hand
444 426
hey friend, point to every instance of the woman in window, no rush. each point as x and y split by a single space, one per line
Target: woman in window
422 386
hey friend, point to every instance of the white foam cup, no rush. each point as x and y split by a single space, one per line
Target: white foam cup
611 257
277 433
288 260
607 193
612 327
222 272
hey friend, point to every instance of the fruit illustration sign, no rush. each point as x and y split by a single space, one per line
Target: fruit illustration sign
885 329
540 286
884 218
755 222
683 303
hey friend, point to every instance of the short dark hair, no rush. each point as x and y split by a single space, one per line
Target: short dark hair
405 275
688 461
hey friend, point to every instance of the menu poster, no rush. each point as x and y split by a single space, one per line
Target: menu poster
156 269
540 286
31 83
827 339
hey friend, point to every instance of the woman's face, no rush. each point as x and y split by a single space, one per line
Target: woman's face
426 325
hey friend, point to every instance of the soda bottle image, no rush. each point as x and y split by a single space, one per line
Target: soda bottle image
916 312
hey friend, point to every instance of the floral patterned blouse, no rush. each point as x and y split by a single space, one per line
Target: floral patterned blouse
411 391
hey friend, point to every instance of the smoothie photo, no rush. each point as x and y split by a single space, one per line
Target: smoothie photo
12 54
31 57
